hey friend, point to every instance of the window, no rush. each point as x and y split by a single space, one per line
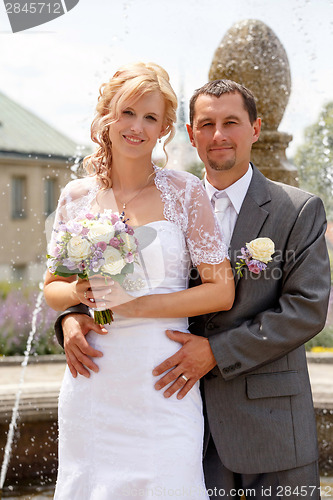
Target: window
19 197
50 201
18 273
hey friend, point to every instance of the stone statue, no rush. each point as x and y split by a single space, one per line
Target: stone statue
251 54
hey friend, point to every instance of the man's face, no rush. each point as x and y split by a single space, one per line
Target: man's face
223 135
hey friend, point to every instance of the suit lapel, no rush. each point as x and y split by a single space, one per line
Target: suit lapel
251 217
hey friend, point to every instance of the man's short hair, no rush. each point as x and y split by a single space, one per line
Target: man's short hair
219 87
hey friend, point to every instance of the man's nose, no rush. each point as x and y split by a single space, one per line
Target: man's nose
219 134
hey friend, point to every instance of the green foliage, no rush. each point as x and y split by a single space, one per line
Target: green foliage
196 168
323 339
330 254
314 158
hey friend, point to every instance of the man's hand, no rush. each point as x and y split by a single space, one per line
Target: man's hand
193 360
77 349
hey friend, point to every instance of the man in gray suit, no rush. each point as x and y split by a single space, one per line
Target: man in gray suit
260 423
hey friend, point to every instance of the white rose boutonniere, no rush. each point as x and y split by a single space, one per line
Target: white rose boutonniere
256 255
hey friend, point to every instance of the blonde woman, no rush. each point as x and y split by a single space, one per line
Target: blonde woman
118 436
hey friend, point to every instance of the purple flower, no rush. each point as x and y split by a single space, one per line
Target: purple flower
57 251
69 264
85 231
73 227
129 230
90 216
114 218
129 258
82 266
96 264
120 227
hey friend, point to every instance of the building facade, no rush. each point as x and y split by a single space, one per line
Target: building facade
35 163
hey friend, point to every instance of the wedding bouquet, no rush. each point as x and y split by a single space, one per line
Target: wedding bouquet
102 244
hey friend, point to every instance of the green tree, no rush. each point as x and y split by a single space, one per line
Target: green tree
314 158
196 168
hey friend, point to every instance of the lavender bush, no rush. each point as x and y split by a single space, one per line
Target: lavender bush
17 305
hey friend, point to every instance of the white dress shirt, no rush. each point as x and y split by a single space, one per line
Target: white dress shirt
236 194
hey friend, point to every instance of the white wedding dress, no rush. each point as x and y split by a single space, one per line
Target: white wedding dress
118 436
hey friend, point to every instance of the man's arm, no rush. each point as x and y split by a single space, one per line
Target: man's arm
302 306
71 329
272 333
79 309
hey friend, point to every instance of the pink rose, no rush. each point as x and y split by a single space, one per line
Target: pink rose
102 245
114 242
253 267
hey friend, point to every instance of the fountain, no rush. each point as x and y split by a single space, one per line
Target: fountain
15 410
251 54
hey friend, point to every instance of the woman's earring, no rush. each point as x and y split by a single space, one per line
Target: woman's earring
160 140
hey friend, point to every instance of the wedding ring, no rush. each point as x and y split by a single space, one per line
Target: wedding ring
184 377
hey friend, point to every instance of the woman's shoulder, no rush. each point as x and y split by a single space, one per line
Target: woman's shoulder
78 188
182 178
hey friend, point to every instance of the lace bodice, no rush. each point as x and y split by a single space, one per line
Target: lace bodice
186 205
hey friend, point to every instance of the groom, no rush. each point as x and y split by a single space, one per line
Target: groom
260 423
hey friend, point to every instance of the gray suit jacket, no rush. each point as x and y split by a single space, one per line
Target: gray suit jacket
258 397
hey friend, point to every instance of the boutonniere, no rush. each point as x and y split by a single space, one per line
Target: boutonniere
255 255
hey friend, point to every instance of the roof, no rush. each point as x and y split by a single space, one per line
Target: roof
22 132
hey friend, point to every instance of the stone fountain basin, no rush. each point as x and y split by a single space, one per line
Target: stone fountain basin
34 456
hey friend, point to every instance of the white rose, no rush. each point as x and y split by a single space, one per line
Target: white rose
261 249
99 231
129 240
78 248
113 261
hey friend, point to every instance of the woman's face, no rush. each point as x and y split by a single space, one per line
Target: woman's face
139 126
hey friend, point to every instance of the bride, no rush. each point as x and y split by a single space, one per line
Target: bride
118 436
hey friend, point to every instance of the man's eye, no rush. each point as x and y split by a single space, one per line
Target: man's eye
207 124
230 123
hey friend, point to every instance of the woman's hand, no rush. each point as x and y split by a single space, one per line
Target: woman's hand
101 291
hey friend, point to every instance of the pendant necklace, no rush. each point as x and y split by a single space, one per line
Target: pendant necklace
125 203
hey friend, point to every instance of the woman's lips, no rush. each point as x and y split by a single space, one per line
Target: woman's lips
132 140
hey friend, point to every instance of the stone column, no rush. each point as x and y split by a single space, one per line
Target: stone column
251 54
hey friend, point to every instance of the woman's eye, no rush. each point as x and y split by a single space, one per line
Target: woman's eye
128 112
150 117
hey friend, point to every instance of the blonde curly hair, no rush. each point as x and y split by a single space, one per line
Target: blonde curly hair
126 86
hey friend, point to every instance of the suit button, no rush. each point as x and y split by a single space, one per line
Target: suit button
226 370
238 364
210 326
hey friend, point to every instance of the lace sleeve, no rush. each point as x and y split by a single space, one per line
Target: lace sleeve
187 205
204 238
74 202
